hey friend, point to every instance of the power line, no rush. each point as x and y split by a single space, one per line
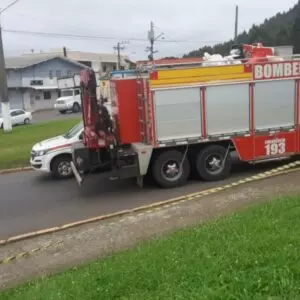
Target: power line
100 37
9 6
60 35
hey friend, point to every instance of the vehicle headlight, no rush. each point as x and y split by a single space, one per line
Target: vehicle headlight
41 152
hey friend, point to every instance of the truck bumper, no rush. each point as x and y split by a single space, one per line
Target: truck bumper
62 107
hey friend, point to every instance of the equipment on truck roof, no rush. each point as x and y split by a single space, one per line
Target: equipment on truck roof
189 118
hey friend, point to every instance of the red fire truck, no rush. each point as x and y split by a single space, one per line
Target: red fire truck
168 122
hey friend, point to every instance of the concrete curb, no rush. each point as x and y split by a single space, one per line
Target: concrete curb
15 170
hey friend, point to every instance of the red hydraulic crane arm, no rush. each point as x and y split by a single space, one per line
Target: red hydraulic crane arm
97 128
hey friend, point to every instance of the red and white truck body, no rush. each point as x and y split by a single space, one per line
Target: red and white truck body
172 121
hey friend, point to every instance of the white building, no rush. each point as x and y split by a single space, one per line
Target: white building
99 62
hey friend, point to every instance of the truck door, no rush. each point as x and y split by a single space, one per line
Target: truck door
275 104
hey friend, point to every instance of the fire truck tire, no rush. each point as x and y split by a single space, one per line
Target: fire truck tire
209 163
169 171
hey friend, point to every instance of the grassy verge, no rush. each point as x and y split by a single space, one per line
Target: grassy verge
253 254
15 146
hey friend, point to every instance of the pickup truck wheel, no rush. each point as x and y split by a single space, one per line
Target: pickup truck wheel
212 163
61 167
169 170
76 108
62 112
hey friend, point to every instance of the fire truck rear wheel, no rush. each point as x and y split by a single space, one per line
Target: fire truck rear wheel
170 169
212 163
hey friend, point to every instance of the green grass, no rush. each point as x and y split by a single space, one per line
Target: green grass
16 145
254 254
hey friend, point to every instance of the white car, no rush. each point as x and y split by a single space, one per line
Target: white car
55 154
18 117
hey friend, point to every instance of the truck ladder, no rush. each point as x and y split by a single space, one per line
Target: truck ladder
145 110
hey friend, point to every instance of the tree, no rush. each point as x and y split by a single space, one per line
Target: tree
283 37
296 35
279 30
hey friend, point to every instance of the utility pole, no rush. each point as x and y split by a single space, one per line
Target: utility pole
119 47
152 38
3 90
7 126
236 22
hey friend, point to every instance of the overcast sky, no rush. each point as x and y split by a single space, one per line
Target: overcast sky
191 23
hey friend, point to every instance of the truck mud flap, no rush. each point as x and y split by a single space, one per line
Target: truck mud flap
77 175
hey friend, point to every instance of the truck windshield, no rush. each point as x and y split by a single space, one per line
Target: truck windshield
66 93
75 130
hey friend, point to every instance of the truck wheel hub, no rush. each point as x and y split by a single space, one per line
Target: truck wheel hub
171 170
213 163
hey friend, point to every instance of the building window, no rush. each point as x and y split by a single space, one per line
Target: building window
69 73
36 82
47 95
50 74
58 73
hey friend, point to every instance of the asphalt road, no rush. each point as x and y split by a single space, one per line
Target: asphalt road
51 115
31 201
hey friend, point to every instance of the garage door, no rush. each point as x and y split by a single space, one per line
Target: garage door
15 99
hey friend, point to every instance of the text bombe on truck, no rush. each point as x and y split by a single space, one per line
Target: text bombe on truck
171 120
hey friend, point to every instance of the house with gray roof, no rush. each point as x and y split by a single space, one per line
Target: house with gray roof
32 80
99 62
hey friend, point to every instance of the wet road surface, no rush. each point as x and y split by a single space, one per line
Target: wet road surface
31 201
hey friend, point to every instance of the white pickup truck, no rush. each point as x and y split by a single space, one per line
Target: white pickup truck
69 99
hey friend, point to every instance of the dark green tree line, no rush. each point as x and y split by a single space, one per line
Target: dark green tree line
279 30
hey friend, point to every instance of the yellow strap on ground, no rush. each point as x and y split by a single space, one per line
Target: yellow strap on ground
24 254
